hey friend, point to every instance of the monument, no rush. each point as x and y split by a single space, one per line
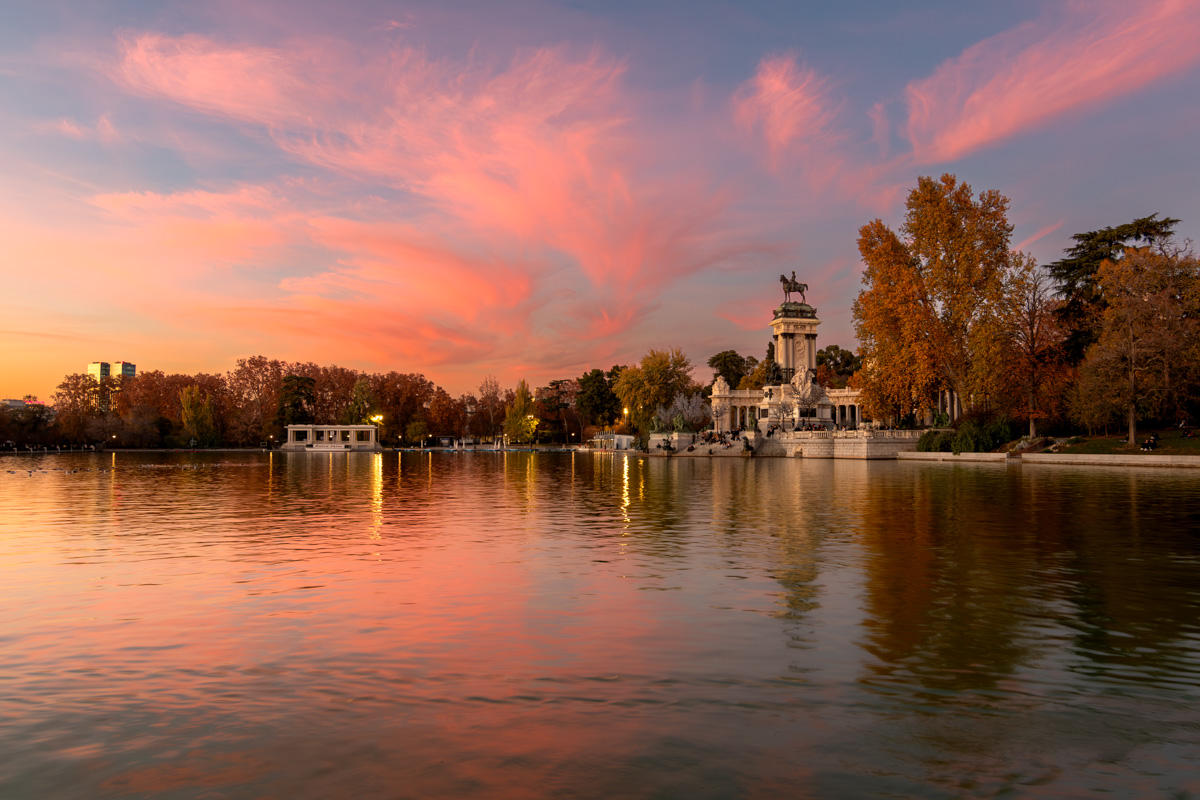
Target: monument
798 401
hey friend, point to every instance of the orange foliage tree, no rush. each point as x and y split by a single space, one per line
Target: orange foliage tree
931 314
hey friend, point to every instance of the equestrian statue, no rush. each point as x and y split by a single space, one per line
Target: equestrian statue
792 285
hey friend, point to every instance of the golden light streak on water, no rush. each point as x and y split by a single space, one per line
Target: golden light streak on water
376 495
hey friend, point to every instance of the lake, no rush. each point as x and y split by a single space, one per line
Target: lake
490 625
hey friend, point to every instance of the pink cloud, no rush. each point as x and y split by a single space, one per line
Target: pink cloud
247 83
1075 56
103 130
200 229
790 105
525 177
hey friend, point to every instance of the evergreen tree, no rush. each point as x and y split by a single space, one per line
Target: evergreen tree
1076 276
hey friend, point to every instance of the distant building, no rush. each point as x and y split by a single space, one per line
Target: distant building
326 438
99 369
124 369
12 403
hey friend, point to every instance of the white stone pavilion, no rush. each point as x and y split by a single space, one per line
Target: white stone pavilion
331 438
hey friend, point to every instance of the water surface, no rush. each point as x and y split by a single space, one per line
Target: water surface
555 625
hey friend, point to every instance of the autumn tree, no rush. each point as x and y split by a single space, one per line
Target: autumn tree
928 317
254 388
653 382
75 402
1034 335
1146 356
489 408
402 398
446 415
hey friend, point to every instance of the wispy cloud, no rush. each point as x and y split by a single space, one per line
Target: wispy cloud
792 108
1075 55
1041 234
520 188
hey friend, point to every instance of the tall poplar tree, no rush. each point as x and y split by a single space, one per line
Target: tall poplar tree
929 317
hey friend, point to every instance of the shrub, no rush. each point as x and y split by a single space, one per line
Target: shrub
935 442
981 435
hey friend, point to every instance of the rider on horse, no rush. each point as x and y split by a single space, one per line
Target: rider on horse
792 285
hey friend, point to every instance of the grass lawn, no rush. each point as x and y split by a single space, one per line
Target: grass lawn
1170 443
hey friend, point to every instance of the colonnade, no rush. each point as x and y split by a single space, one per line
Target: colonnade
847 415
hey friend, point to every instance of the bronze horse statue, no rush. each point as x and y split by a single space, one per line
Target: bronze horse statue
792 285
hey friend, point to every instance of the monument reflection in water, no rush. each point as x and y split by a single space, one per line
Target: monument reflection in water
530 625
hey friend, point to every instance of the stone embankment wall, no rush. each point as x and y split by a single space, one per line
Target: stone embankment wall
1131 460
961 457
792 444
848 444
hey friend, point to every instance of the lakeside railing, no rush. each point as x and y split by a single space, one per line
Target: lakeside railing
854 434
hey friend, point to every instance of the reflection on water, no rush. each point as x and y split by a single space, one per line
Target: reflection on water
520 625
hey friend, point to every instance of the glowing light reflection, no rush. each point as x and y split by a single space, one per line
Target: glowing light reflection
376 495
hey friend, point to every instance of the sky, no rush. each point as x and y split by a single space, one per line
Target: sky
533 189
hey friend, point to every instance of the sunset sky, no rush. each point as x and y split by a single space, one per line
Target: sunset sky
533 189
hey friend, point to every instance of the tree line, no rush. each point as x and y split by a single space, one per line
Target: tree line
1107 336
252 405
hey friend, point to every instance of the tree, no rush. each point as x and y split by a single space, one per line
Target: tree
489 409
596 401
730 365
763 373
297 398
1035 335
685 413
198 421
75 402
362 404
654 382
254 388
416 431
931 306
520 422
402 397
835 366
447 415
785 408
1075 277
555 401
1145 358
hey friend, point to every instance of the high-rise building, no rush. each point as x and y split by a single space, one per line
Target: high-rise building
99 369
124 369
